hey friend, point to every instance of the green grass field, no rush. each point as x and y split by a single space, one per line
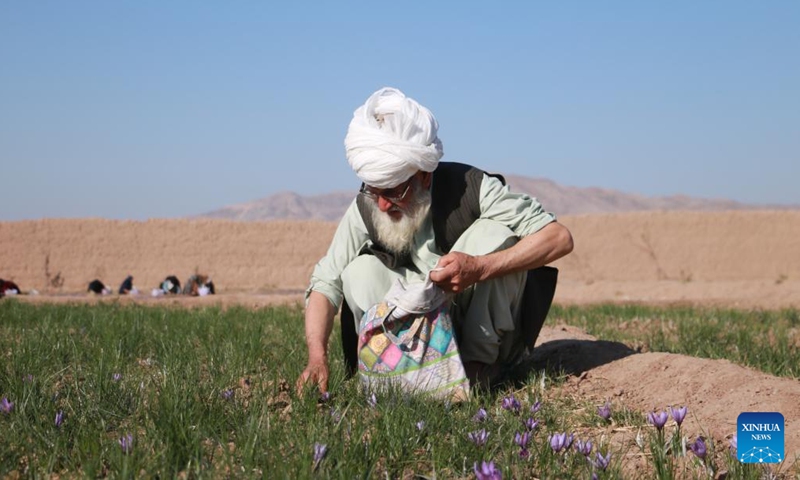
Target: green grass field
172 392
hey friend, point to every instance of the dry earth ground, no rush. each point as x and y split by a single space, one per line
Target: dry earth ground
741 259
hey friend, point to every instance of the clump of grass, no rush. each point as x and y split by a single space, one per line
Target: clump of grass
759 339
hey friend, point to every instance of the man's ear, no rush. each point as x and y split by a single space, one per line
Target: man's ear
426 179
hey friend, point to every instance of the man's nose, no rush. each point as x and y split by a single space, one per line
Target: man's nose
383 204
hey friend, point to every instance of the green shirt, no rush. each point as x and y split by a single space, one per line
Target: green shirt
521 213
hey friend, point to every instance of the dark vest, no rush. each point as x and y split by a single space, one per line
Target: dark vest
455 205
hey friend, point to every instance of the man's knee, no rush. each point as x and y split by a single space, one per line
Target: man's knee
365 282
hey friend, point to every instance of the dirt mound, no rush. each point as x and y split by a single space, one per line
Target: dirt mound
715 391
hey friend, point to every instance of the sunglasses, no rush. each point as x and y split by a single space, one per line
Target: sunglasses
393 195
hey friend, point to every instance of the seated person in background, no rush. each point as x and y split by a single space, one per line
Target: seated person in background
127 288
7 287
198 285
171 284
414 216
98 287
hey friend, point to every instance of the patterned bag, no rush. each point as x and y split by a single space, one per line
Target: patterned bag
415 352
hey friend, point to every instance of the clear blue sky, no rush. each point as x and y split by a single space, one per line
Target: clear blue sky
147 109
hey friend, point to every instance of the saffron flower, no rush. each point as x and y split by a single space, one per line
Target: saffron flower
117 377
478 437
126 443
522 439
537 405
584 448
325 397
420 425
678 414
487 471
734 443
59 419
481 415
600 462
335 415
372 400
531 424
560 441
227 394
6 406
658 419
604 411
320 450
27 378
512 404
699 448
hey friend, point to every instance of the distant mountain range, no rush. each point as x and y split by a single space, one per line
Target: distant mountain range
556 198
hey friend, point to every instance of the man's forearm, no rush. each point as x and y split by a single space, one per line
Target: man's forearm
545 246
319 323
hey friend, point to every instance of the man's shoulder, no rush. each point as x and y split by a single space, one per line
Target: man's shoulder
453 169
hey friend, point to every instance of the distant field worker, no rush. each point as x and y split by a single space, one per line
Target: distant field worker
8 288
414 213
98 287
171 285
199 285
126 287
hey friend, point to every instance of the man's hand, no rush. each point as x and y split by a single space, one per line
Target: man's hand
319 322
457 271
316 372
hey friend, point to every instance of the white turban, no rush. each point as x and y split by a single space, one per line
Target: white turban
390 138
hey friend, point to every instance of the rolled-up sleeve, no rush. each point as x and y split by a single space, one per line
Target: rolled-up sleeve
520 212
350 237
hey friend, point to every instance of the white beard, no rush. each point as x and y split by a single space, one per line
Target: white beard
398 235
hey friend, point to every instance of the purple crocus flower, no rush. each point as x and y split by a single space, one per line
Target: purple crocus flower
537 405
734 443
320 450
227 394
658 419
678 414
487 471
584 448
335 415
560 441
531 424
126 443
481 415
699 448
604 411
59 419
524 453
478 437
600 462
420 425
512 404
117 377
522 439
6 406
27 378
325 397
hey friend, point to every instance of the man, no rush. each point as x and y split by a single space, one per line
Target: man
414 214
